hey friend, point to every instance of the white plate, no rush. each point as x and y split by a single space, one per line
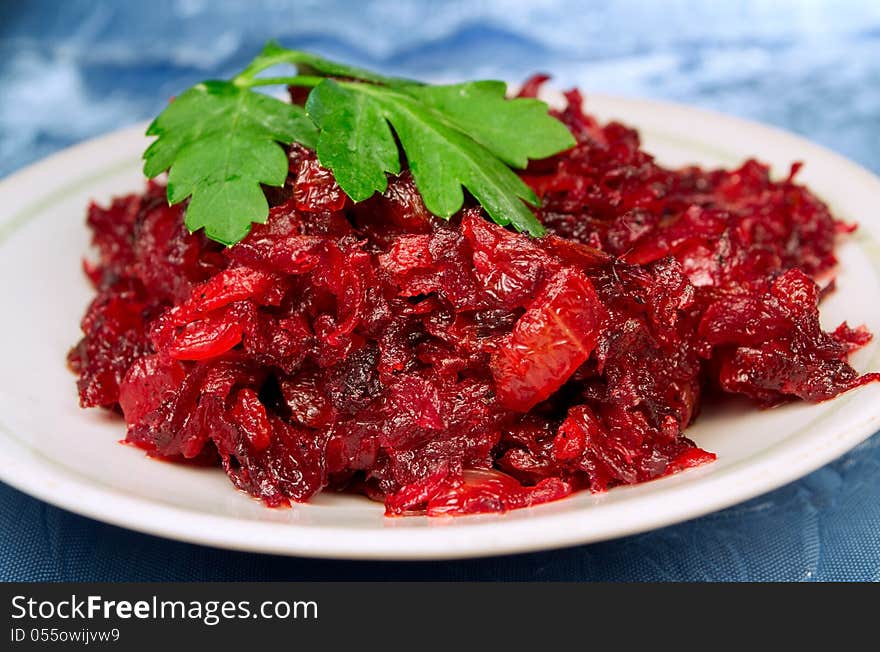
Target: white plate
52 449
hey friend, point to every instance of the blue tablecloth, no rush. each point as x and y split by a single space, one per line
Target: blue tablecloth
73 70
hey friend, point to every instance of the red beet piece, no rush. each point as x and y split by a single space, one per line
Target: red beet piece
549 342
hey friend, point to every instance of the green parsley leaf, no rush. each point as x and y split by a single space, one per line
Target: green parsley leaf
514 130
220 142
359 148
356 142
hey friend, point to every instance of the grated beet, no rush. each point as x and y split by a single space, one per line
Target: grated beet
457 367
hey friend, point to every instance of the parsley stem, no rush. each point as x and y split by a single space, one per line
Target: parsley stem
309 81
274 55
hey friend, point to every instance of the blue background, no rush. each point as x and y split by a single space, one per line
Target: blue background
72 70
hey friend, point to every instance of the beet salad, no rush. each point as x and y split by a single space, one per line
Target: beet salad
457 366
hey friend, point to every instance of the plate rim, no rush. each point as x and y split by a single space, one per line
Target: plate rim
476 538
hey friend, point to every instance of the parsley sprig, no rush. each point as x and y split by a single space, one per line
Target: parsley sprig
220 140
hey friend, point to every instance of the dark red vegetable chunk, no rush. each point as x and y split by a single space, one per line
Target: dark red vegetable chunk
550 341
457 367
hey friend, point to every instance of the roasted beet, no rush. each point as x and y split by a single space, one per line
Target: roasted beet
458 367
